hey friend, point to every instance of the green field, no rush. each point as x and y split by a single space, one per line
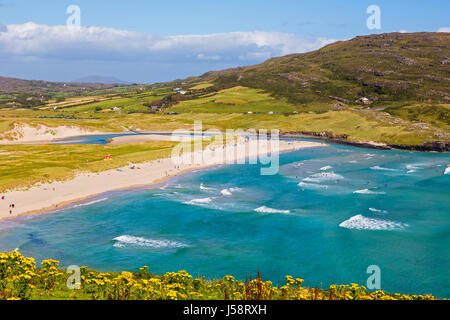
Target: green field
234 100
24 165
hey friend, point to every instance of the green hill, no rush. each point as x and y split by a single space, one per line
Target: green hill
388 69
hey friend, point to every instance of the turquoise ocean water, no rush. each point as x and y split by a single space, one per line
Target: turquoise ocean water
325 217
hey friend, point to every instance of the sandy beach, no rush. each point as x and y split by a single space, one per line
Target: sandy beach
50 196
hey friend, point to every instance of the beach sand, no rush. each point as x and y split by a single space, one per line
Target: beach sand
50 196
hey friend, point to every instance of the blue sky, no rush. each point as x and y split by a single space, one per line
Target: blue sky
250 32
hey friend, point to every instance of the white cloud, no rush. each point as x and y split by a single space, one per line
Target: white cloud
99 43
444 29
202 56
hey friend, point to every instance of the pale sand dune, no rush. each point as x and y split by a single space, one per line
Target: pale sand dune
26 134
55 195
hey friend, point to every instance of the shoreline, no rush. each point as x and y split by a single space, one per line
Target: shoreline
47 197
158 135
431 146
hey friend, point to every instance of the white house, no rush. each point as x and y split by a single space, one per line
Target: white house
364 100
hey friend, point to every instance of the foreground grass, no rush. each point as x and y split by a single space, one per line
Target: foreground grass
21 279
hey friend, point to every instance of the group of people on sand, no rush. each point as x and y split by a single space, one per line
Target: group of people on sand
11 206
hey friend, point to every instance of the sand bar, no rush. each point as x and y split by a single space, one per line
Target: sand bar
146 137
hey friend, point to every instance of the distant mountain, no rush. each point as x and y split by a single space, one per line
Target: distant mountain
386 69
42 86
100 79
18 93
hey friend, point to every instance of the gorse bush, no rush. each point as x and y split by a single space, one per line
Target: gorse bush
21 279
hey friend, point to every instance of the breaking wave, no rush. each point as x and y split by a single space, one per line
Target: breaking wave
312 185
265 209
326 168
226 192
125 240
89 203
411 168
447 170
367 191
381 168
229 191
360 222
323 176
199 201
378 210
202 187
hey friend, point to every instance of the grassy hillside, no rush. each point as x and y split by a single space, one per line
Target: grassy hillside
387 69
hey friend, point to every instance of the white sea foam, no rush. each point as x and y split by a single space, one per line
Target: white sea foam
378 210
312 185
89 203
367 191
125 240
381 168
323 176
326 168
265 209
199 201
229 191
360 222
447 170
412 168
202 187
226 192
